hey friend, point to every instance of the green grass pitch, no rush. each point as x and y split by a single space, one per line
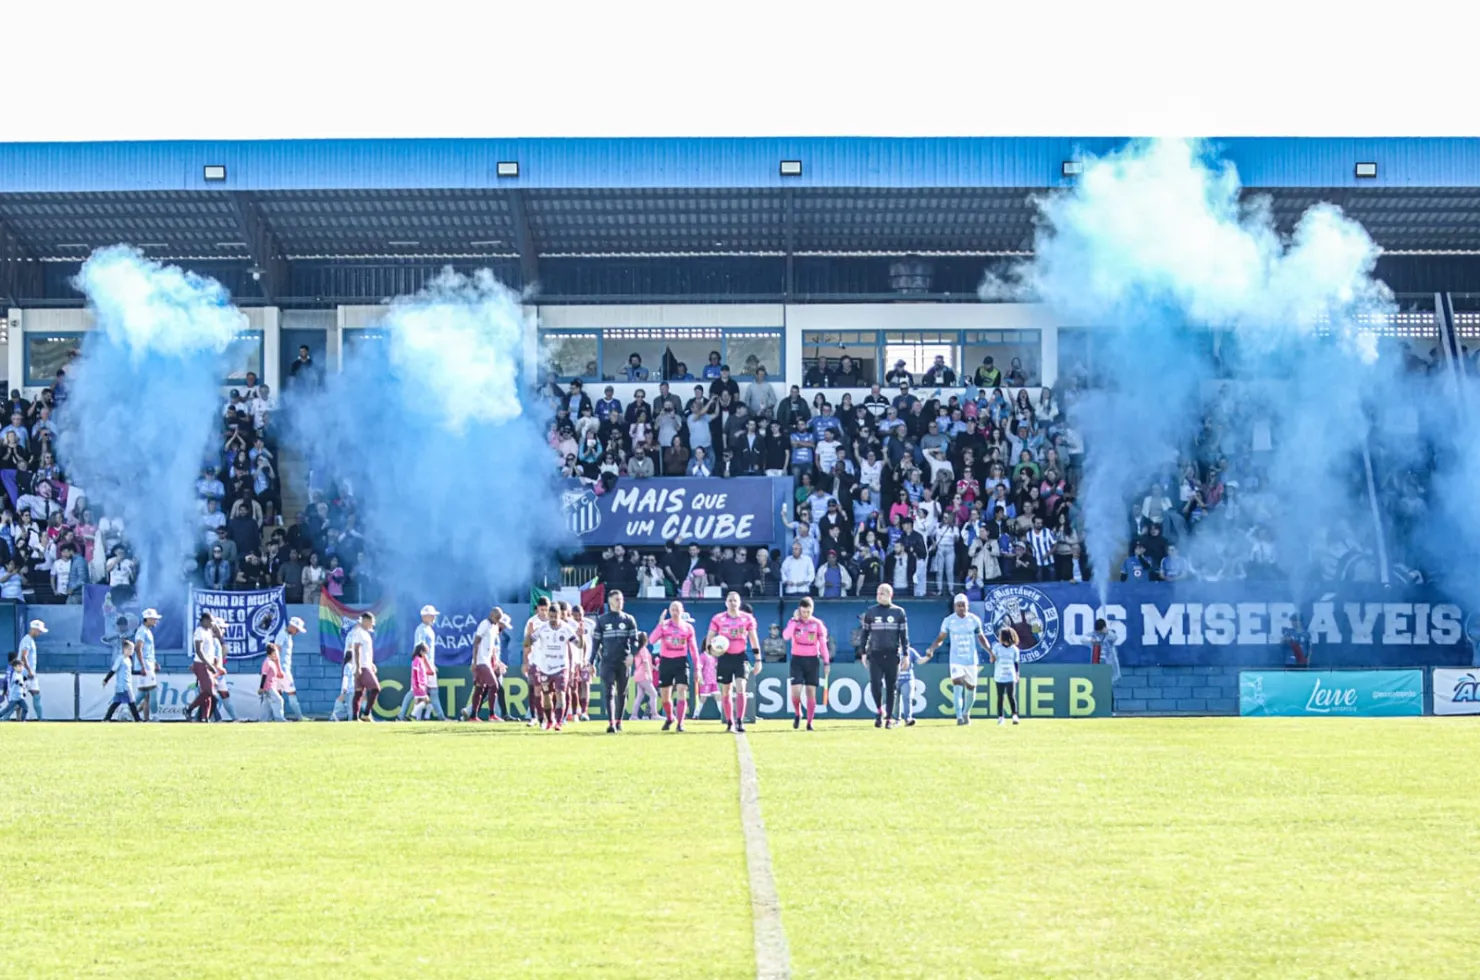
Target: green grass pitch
1112 848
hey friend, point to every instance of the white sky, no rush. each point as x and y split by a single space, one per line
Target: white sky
167 69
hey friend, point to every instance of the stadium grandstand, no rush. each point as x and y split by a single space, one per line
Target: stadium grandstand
800 315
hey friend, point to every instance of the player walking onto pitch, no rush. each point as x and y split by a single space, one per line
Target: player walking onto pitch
677 644
148 662
618 640
548 649
1005 659
121 673
203 666
738 629
542 613
964 630
578 697
486 662
886 637
808 636
360 646
31 689
426 635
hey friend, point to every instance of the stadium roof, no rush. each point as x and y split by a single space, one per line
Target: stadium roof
302 214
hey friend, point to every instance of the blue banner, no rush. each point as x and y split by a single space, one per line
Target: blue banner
1326 693
101 609
252 619
1232 624
744 511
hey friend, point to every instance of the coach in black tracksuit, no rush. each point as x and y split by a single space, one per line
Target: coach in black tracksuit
617 638
886 635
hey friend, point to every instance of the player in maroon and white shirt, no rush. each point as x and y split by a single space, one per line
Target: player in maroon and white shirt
738 629
531 671
579 700
548 648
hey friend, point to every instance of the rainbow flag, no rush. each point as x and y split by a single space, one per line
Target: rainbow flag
336 618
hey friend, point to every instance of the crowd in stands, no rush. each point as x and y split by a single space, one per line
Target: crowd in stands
929 491
943 486
249 546
54 541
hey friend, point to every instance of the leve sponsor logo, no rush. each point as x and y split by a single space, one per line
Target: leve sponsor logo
1325 700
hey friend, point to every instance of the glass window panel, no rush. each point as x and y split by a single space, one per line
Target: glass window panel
572 355
1008 349
749 349
829 347
662 350
243 355
918 350
45 352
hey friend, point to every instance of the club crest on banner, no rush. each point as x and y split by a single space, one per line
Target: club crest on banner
1028 612
582 515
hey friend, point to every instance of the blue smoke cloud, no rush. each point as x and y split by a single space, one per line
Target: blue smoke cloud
438 434
143 400
1204 311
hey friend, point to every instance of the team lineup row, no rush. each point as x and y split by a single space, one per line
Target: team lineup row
562 650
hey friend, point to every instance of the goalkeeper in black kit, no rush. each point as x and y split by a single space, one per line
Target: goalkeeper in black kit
617 641
886 638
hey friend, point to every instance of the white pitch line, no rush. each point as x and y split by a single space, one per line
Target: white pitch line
772 958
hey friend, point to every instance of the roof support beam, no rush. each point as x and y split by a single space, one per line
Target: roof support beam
524 243
263 246
20 271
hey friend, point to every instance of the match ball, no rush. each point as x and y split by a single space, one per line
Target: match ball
719 646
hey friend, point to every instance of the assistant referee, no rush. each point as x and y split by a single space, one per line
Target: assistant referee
886 638
617 641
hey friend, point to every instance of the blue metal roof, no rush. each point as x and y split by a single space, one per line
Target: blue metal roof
988 162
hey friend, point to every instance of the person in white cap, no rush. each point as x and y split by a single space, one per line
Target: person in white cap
286 685
964 629
148 665
27 650
425 634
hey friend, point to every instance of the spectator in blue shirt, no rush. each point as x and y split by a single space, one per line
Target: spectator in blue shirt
904 402
209 486
609 406
711 370
1173 567
681 373
1135 568
826 420
634 370
803 445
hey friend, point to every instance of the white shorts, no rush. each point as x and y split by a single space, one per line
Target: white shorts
967 671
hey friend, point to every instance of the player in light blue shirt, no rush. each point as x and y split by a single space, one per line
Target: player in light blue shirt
284 643
964 630
31 690
425 634
148 663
